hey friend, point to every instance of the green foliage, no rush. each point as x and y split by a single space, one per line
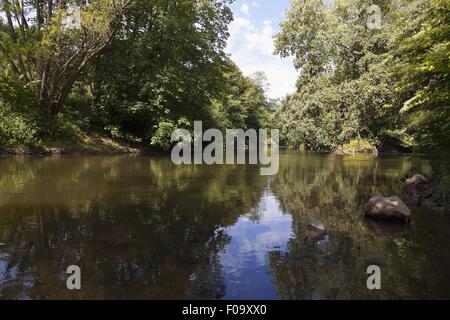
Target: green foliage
389 85
25 125
161 68
355 145
137 71
423 64
345 86
16 130
168 64
27 129
242 102
37 46
163 135
14 91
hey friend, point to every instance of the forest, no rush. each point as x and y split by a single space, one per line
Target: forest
134 70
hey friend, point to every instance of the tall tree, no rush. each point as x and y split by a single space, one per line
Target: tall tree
166 64
49 51
344 88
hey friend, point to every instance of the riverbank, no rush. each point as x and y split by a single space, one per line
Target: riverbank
87 144
97 144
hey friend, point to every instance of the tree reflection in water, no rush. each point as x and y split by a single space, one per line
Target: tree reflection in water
137 227
140 227
333 266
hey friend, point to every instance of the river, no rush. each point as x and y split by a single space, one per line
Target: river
142 227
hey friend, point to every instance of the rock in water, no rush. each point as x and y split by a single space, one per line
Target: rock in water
425 192
391 209
316 226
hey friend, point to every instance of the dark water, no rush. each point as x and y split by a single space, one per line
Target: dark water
141 227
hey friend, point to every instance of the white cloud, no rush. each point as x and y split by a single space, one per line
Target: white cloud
245 34
255 4
280 75
245 9
251 46
248 239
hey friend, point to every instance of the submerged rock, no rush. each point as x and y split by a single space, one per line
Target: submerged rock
391 209
316 226
424 192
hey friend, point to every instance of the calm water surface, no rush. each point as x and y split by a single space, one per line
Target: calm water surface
141 227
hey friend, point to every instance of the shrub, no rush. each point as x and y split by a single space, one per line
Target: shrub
163 135
16 130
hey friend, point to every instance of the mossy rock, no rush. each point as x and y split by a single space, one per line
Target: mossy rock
357 146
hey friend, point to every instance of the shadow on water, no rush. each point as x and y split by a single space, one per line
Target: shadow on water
141 227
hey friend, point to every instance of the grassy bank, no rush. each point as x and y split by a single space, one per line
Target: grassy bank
87 144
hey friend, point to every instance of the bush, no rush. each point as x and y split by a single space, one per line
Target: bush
32 128
357 146
16 130
162 137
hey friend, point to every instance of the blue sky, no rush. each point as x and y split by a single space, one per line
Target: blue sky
251 43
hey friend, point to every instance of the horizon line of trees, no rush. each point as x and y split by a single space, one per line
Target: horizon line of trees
137 69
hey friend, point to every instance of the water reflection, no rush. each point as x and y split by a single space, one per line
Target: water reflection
414 262
140 227
245 259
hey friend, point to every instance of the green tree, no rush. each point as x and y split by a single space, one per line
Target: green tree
423 64
242 103
166 65
345 85
48 56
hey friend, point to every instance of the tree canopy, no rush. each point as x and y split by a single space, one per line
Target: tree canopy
132 69
137 69
364 67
